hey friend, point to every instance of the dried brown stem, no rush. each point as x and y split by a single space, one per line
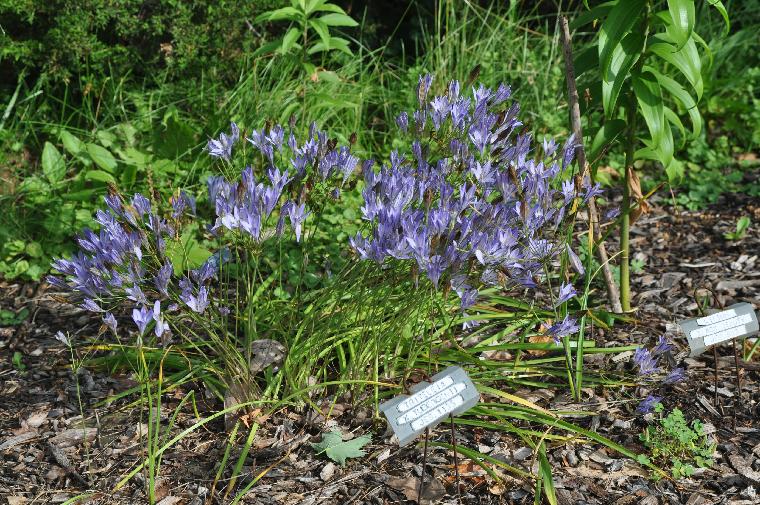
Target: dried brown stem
575 118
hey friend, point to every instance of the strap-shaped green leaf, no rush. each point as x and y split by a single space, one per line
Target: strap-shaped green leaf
686 60
673 118
311 5
682 17
663 152
545 471
672 86
322 30
624 56
723 12
288 13
649 98
598 12
624 15
335 19
330 8
289 39
606 134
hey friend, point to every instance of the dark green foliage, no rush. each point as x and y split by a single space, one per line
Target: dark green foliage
60 39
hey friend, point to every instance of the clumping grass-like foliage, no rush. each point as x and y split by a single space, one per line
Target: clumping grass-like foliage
475 204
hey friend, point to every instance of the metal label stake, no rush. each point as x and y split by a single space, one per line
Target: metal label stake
737 321
451 392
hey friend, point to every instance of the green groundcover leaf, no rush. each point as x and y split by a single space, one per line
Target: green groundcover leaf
336 449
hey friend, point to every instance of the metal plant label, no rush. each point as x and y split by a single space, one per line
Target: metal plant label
451 392
737 320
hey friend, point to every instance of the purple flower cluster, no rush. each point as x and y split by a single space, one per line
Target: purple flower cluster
248 205
127 260
648 365
473 203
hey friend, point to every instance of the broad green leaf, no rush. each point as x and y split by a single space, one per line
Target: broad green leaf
606 134
683 96
723 12
288 13
310 5
99 176
673 118
106 138
268 48
186 253
34 249
662 152
675 171
71 143
102 157
330 8
336 19
682 17
649 98
624 56
598 12
340 44
322 30
587 60
80 196
53 165
289 39
624 15
686 60
336 449
328 76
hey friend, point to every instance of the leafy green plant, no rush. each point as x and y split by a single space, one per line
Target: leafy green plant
645 66
10 318
309 16
333 446
674 441
742 225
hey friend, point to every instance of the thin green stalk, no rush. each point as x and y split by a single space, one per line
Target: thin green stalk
625 223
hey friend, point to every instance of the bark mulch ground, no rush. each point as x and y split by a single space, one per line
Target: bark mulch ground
51 453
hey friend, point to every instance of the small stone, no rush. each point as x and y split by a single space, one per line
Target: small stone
327 472
571 458
522 453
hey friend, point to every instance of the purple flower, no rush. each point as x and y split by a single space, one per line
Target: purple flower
297 215
89 304
142 317
162 278
423 87
566 292
222 147
563 328
575 261
197 303
648 404
141 204
662 346
110 321
402 120
675 375
161 326
181 203
612 213
136 294
645 361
